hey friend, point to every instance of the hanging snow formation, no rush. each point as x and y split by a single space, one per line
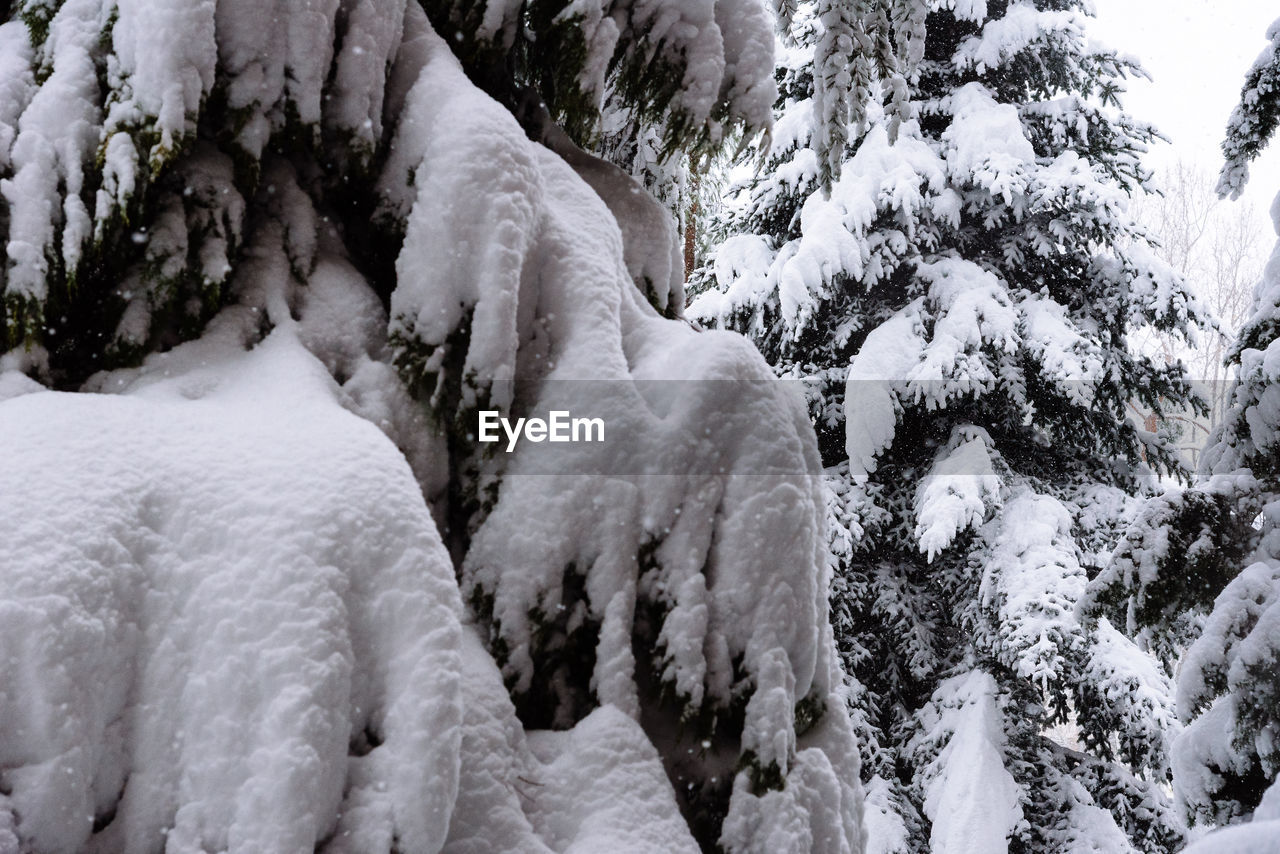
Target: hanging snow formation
254 581
547 310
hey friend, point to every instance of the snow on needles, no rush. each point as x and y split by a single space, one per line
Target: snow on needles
231 624
551 303
963 724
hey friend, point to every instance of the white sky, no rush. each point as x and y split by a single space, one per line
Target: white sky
1197 52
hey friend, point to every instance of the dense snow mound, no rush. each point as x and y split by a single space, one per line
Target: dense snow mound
227 623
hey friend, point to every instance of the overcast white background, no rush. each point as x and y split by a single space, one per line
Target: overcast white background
1197 52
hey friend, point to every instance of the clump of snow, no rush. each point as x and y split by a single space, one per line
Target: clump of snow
972 801
742 265
964 10
274 59
1033 580
1256 837
369 44
16 82
13 382
746 27
958 492
597 787
972 312
986 143
650 244
886 833
56 135
834 230
165 54
871 406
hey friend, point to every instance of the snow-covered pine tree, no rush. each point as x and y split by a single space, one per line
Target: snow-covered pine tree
958 310
1199 571
235 218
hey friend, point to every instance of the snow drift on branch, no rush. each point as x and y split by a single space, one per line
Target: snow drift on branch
292 635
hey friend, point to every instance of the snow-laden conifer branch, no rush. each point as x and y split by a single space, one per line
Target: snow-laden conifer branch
957 308
277 205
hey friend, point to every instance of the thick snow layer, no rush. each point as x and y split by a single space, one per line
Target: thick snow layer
1132 689
748 83
506 238
373 34
986 143
1257 837
205 600
207 603
650 243
56 135
167 53
1033 579
1002 38
958 491
973 802
1219 653
1240 638
880 175
16 83
886 833
871 405
227 624
123 84
597 787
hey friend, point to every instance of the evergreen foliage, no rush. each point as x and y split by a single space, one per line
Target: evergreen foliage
959 311
187 181
1199 571
106 163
